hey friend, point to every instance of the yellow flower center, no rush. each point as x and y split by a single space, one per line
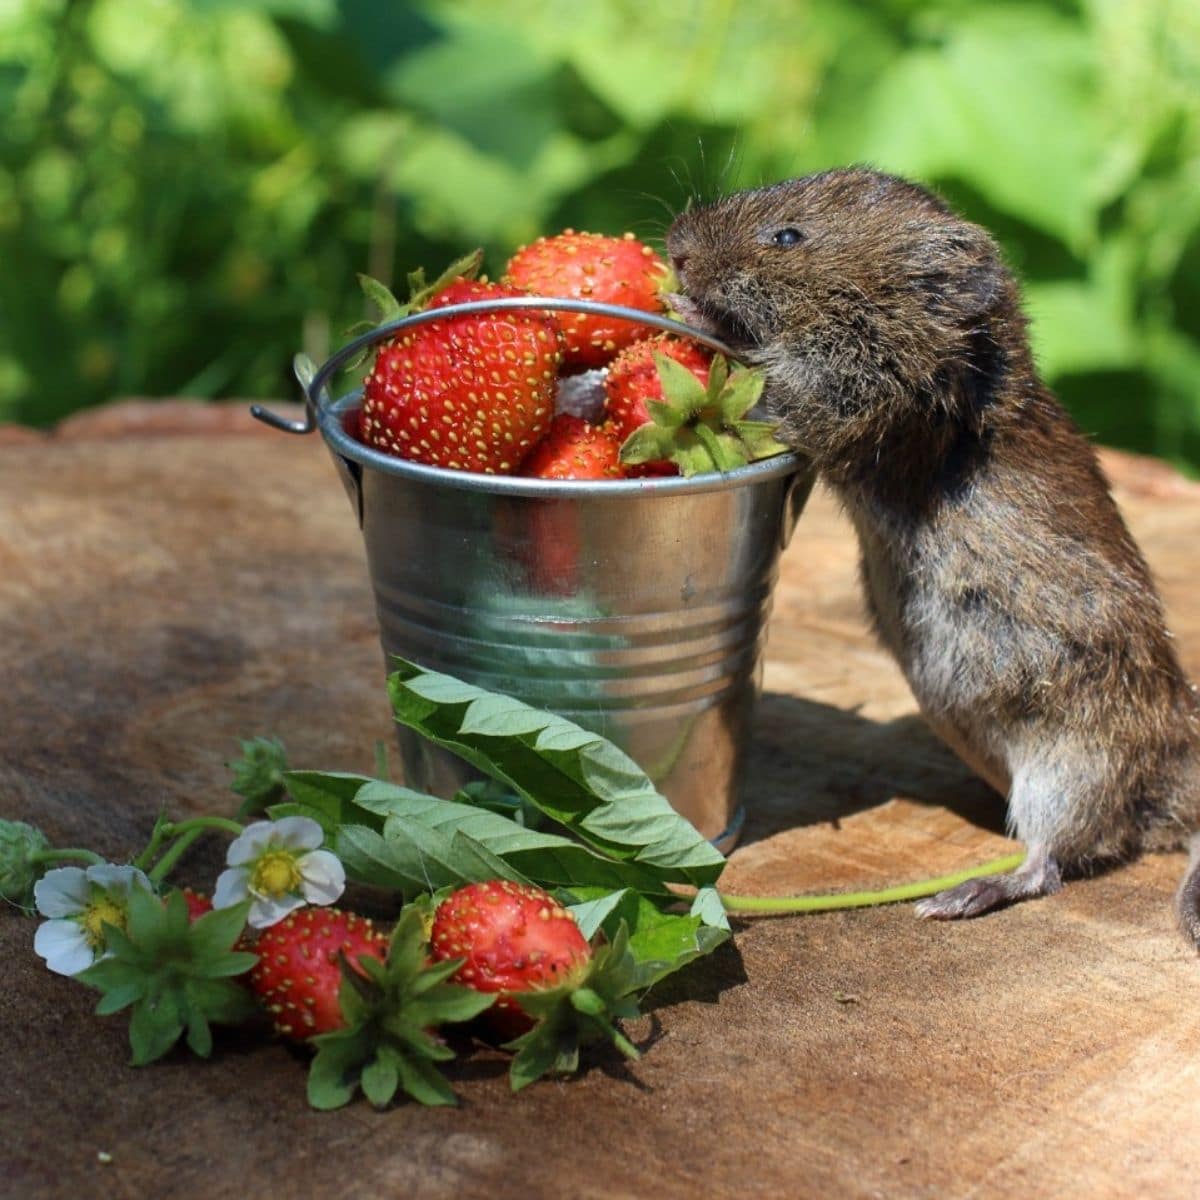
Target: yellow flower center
275 874
102 910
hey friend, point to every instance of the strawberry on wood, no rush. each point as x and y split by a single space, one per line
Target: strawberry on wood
298 976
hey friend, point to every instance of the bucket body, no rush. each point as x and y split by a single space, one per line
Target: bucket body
636 608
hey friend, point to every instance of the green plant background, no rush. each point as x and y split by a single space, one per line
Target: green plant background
188 187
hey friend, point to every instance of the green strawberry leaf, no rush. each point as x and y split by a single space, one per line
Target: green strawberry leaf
659 942
702 430
387 1043
682 391
325 796
258 775
572 775
740 394
548 859
387 307
173 972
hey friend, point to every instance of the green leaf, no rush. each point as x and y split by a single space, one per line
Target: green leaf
682 391
387 307
327 797
333 1075
649 443
708 906
573 776
742 392
174 973
381 1078
258 775
548 859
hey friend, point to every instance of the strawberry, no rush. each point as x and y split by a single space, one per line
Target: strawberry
298 976
472 393
575 449
515 938
197 903
590 266
633 379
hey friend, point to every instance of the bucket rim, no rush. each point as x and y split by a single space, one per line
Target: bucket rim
330 422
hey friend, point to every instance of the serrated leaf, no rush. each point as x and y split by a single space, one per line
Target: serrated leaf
548 859
718 374
327 797
368 858
590 786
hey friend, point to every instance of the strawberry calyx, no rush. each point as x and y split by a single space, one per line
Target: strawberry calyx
579 1012
700 427
392 1009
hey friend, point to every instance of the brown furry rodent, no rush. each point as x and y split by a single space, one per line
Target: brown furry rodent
995 564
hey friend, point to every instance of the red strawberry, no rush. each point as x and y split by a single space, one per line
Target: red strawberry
297 976
515 938
472 393
590 266
575 449
633 379
197 904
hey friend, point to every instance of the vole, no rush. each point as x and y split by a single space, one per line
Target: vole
994 561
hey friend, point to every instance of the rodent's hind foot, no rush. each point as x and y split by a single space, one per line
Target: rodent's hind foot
1038 875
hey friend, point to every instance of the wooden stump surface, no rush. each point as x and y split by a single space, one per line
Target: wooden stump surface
173 577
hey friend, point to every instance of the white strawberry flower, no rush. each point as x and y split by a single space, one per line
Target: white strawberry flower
80 902
278 864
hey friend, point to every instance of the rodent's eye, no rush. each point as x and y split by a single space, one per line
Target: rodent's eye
789 235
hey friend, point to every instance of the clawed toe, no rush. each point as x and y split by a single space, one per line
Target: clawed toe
969 899
1037 876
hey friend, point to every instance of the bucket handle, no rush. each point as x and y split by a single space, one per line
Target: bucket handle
315 380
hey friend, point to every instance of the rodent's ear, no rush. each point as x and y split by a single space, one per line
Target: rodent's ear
976 272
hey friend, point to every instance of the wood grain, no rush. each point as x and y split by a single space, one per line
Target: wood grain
168 584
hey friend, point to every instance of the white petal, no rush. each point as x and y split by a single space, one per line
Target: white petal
118 879
250 843
64 946
269 910
298 833
323 875
232 887
62 892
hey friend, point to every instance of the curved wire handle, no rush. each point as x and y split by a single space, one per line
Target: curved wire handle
314 380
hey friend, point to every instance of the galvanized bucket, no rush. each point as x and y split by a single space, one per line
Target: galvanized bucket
636 608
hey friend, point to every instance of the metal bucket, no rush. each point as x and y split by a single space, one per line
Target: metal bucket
636 608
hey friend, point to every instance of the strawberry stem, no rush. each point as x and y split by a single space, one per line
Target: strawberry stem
830 901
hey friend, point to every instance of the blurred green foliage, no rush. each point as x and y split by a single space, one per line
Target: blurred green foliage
188 188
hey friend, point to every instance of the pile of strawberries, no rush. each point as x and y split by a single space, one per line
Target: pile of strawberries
477 392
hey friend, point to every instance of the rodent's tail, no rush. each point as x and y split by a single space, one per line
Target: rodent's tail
1187 899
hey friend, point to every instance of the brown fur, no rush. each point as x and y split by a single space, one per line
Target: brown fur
995 564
